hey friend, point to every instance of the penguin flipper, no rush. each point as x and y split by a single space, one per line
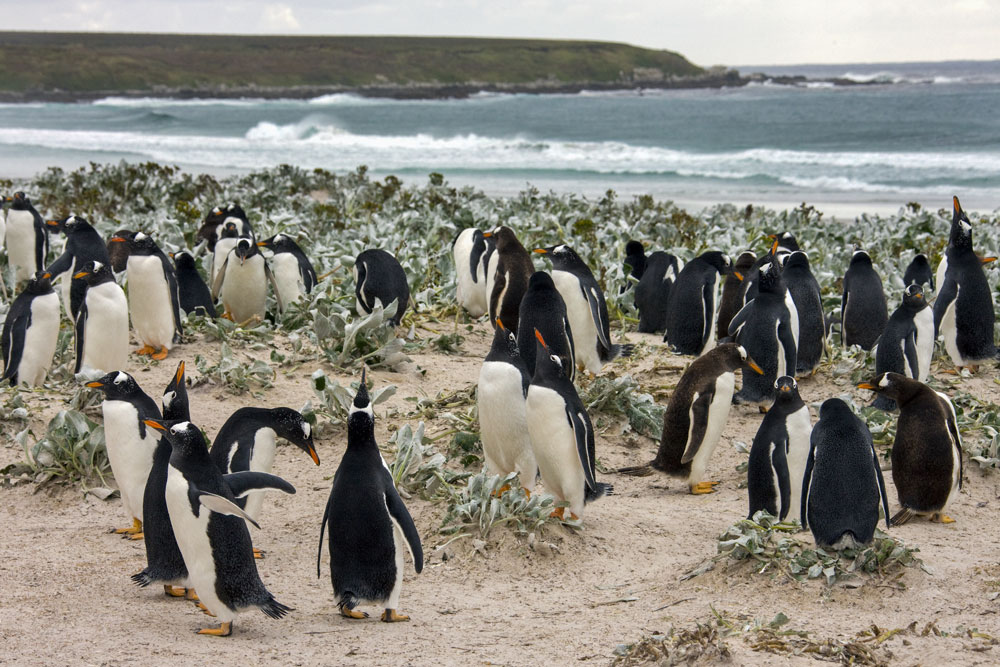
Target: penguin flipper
881 483
779 462
242 483
600 314
571 346
221 505
739 318
956 437
61 265
910 353
948 293
806 482
699 424
13 359
274 286
581 433
708 298
401 516
80 325
175 299
220 276
787 340
499 286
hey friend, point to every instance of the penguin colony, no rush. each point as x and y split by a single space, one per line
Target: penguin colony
192 504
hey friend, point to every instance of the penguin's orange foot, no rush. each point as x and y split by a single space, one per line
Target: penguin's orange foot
224 630
953 371
190 594
136 536
573 517
174 591
527 493
201 605
502 490
558 513
227 316
136 527
390 616
258 554
762 409
146 350
702 488
941 518
161 355
352 613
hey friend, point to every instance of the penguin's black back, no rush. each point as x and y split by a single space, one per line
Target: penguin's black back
974 314
283 243
918 272
766 330
543 308
514 270
732 292
889 356
505 349
192 290
164 562
653 291
689 312
635 262
864 311
383 278
804 288
239 431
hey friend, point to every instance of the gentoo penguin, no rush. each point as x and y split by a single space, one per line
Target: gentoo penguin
963 310
652 294
696 414
242 283
379 278
368 523
907 344
118 251
211 529
918 272
585 307
765 328
229 236
101 326
30 333
152 297
294 274
842 485
804 290
692 308
543 308
779 453
863 310
193 293
83 244
732 292
26 238
503 422
562 435
129 443
248 441
927 452
510 280
468 249
211 228
635 263
782 245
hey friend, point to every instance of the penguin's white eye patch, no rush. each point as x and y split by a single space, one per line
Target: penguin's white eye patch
121 377
168 398
555 359
306 428
743 352
765 268
140 236
179 428
97 266
884 382
966 227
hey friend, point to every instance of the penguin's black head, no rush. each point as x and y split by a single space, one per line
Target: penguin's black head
893 385
236 211
718 260
834 408
142 244
562 256
38 285
229 231
185 438
175 398
785 240
788 389
503 237
797 259
546 363
743 265
361 417
735 356
94 273
770 276
184 260
540 280
860 257
117 386
69 225
913 297
292 426
920 260
244 250
505 340
961 228
19 200
634 249
278 243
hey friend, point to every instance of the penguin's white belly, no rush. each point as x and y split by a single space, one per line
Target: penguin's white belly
39 340
581 320
265 444
244 288
131 456
924 322
799 427
222 248
19 238
105 334
192 539
956 454
285 268
793 320
491 280
503 422
718 414
65 282
710 318
554 445
942 269
949 329
469 293
149 301
782 362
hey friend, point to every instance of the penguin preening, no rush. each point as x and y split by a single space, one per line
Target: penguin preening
468 250
691 312
842 486
782 245
101 325
696 415
927 452
585 307
294 274
154 305
510 280
379 278
242 283
118 251
30 333
918 272
83 244
192 291
806 297
907 343
543 308
635 263
368 523
652 294
731 301
211 228
211 529
863 310
26 237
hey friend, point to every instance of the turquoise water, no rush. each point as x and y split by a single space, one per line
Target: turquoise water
931 133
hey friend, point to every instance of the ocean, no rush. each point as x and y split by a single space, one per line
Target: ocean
918 132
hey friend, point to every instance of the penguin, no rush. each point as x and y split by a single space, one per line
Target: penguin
118 251
26 237
468 250
963 310
176 406
927 452
101 325
863 310
808 301
211 529
782 245
562 435
192 292
229 236
30 333
543 308
510 280
918 272
294 274
907 344
129 443
778 455
248 441
585 307
242 283
211 228
368 523
153 301
503 422
732 292
695 416
379 278
766 329
842 485
83 244
635 263
691 311
652 294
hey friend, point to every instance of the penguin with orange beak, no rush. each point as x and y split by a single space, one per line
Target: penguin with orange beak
83 244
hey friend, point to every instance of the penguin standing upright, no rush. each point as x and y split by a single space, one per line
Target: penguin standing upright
863 310
229 237
118 249
927 452
468 249
804 290
294 274
26 237
918 272
368 523
652 294
30 333
907 344
503 422
635 263
510 280
731 300
842 485
963 310
378 277
562 435
153 302
543 308
242 283
692 311
695 416
83 244
214 223
783 244
192 292
211 529
585 307
778 455
101 325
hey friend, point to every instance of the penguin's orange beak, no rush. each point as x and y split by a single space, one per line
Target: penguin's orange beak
179 376
739 276
154 424
987 260
118 239
785 388
753 365
46 275
867 385
774 246
81 274
262 244
313 454
538 336
96 384
540 251
955 203
52 223
487 235
500 324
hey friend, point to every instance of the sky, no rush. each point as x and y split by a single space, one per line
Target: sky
707 32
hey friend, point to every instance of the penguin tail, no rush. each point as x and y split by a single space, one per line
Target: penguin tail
901 517
142 579
644 470
884 404
624 350
274 609
601 489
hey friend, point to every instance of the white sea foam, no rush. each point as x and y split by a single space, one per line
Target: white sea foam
145 102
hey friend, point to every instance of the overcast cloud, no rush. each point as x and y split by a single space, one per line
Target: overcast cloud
731 32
